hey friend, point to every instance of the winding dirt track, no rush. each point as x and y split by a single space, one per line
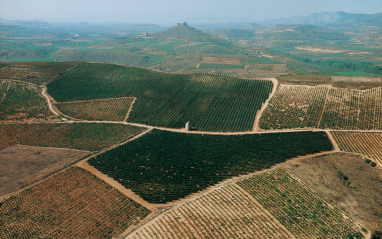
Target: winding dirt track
264 106
48 100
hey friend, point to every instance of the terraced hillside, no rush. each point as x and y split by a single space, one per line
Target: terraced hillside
323 107
72 204
163 166
209 102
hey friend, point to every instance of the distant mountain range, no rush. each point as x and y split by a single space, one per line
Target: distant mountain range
331 19
328 19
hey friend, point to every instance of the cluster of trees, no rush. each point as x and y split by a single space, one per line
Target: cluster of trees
346 65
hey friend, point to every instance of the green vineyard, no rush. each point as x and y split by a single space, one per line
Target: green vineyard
298 208
162 166
20 101
208 102
323 107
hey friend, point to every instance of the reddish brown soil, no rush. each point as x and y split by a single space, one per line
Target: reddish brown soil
21 165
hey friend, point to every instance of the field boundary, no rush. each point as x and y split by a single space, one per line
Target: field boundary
130 109
43 179
334 142
256 127
85 158
6 91
85 101
269 214
48 100
125 191
176 203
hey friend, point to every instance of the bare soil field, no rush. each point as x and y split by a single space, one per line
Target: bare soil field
304 79
22 165
356 79
221 60
318 50
350 82
329 176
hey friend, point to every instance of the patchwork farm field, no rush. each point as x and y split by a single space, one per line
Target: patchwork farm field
298 208
82 136
209 102
101 109
22 165
323 107
163 166
369 144
72 204
227 212
21 102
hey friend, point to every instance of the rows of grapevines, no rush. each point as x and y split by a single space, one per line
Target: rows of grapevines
162 166
103 109
323 107
294 107
22 102
370 115
209 102
298 208
369 144
226 212
350 109
341 109
72 204
83 136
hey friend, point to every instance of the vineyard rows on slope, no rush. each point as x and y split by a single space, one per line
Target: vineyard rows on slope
114 109
210 102
72 204
323 107
298 208
21 102
83 136
369 144
227 212
162 166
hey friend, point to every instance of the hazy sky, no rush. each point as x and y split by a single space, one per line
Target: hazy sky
172 11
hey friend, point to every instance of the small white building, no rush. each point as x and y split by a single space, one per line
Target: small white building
188 126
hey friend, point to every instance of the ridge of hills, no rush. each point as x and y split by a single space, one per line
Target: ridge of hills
331 19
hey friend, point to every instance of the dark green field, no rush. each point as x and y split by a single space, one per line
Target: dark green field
208 102
162 166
